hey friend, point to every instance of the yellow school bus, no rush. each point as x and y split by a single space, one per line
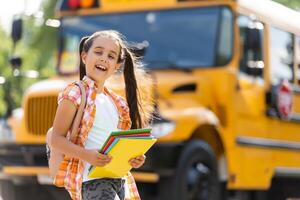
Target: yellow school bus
226 84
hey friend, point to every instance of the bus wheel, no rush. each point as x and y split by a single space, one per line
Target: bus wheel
196 176
7 190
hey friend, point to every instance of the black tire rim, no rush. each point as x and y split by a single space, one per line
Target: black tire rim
198 179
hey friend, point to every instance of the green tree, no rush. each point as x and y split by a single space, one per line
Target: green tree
5 48
42 40
37 48
295 4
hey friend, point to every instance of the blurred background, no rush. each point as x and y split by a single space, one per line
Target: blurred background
30 53
38 47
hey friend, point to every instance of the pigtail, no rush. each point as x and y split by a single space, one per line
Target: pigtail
132 90
82 71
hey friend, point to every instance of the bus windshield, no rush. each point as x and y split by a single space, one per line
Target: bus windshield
180 38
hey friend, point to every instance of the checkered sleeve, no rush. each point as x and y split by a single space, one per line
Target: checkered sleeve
72 93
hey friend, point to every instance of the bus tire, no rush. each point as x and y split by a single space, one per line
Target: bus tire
7 190
196 175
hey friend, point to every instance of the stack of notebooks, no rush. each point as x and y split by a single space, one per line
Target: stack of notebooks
122 146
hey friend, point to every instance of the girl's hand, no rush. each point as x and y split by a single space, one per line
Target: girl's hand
97 159
137 161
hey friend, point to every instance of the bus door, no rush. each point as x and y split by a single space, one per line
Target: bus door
284 100
251 84
296 88
250 104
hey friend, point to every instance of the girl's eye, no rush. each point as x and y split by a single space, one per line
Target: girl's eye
111 57
98 52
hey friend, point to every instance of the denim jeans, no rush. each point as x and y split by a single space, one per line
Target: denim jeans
104 189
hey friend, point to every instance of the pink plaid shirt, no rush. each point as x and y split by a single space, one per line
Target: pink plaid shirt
71 169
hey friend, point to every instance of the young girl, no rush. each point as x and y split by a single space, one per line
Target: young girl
102 54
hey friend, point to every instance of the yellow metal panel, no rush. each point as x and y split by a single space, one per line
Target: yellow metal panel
133 3
251 168
25 171
146 177
296 104
143 7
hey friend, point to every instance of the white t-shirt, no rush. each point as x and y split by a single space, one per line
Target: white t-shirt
106 120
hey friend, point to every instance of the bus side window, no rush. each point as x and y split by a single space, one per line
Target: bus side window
251 46
281 56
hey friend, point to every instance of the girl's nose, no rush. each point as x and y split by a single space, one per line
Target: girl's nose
103 59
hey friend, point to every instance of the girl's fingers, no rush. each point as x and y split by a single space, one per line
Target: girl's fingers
102 162
140 158
104 157
136 162
100 155
133 164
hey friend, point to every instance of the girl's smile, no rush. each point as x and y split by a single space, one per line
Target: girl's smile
100 67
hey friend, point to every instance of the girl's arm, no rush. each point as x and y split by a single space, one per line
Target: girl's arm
64 116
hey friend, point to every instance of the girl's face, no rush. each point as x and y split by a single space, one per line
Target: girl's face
101 60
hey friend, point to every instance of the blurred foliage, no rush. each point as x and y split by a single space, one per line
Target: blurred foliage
42 40
37 48
5 47
295 4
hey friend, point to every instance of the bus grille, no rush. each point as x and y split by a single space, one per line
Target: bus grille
40 114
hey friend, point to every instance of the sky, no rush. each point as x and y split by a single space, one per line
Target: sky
12 7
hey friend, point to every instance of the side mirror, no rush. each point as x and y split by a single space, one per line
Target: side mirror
139 49
253 47
15 62
253 39
16 31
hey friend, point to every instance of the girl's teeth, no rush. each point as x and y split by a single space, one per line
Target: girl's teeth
101 67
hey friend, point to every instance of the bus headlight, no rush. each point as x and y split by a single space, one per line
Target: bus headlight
6 134
162 129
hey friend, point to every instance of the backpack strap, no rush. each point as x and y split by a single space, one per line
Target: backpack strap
79 113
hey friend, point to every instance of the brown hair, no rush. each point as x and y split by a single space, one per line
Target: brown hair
140 109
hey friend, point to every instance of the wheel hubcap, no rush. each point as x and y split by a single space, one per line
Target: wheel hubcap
198 182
